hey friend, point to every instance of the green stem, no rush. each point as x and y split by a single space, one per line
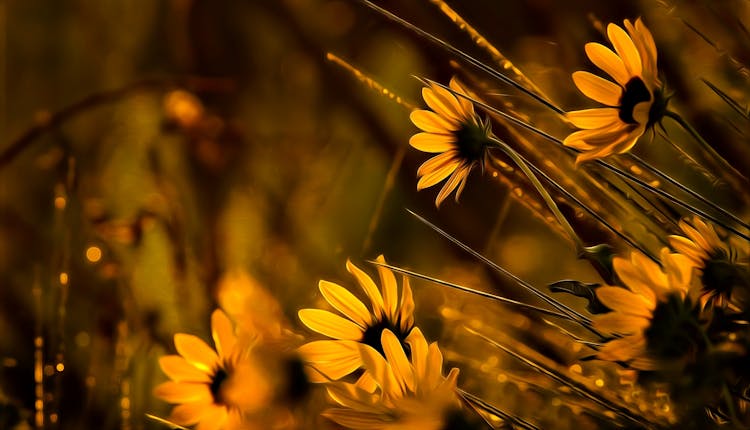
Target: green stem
521 163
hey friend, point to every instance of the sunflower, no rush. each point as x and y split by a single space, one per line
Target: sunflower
455 132
723 267
339 356
654 320
402 393
200 378
635 101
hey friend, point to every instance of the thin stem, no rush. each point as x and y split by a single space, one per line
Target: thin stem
523 165
582 320
591 212
705 145
485 294
601 163
466 57
495 411
575 386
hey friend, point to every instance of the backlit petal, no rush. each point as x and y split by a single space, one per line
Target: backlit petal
623 301
396 357
180 370
196 352
593 118
597 88
329 324
369 287
390 288
431 122
626 49
346 303
223 333
434 143
605 59
183 392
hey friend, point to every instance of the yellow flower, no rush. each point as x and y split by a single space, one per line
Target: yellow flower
339 356
238 386
655 317
723 267
455 132
200 376
634 101
400 393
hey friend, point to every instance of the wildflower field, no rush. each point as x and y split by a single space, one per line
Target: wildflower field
374 214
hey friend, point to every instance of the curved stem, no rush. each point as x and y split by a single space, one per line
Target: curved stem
590 211
601 163
521 163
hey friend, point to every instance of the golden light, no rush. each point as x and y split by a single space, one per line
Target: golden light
93 254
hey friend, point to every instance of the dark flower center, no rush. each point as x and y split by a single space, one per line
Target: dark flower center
373 333
720 275
218 379
674 330
471 140
635 92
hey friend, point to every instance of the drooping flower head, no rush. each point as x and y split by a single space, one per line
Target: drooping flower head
401 392
455 132
634 101
656 317
339 356
723 266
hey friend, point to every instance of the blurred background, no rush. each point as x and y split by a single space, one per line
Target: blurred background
149 148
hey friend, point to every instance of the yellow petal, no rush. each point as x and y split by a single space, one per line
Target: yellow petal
646 46
396 357
434 366
593 118
350 396
626 302
689 249
442 102
328 350
406 309
467 107
637 279
380 370
189 413
356 419
597 88
434 143
455 179
616 322
622 349
390 289
608 61
223 333
437 175
431 122
180 370
418 345
329 324
196 352
368 285
626 49
346 303
213 419
337 369
183 392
